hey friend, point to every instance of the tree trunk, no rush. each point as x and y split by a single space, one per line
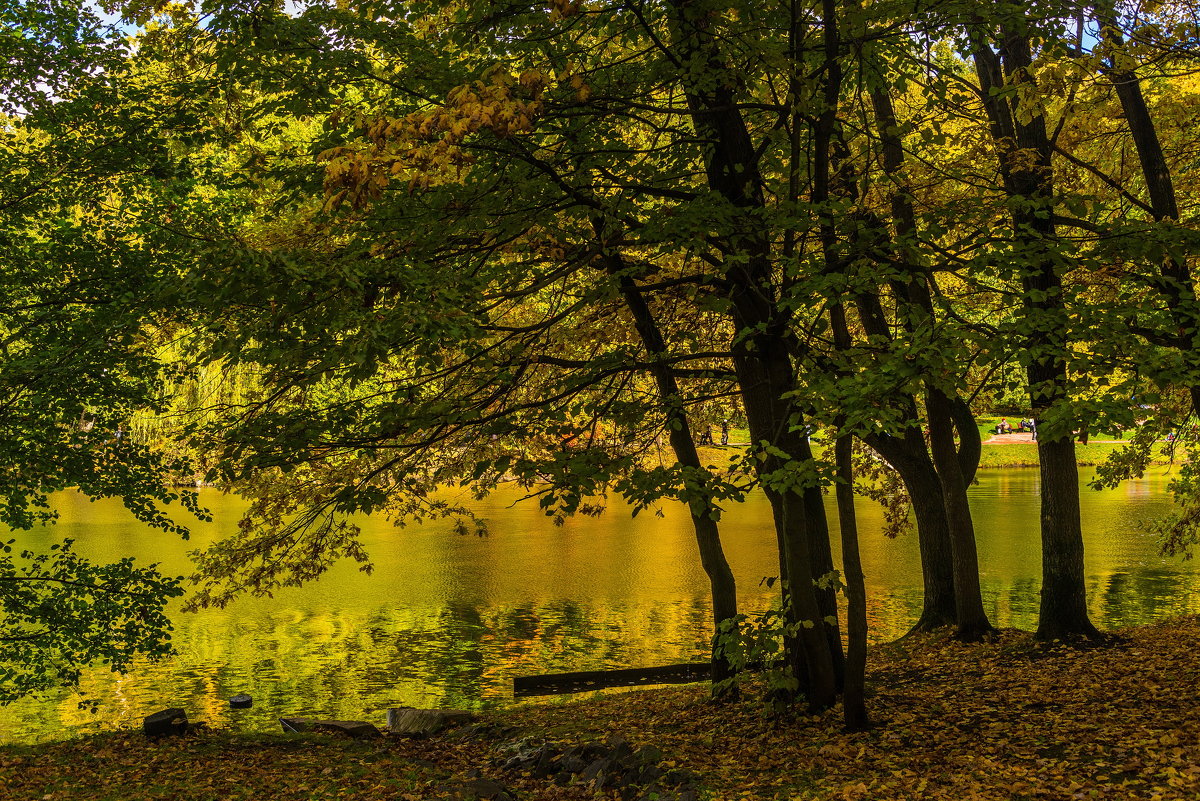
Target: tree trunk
760 355
854 706
1177 285
769 416
722 587
971 618
938 608
1063 613
1064 597
822 564
955 467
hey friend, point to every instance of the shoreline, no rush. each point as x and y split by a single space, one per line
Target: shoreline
1007 718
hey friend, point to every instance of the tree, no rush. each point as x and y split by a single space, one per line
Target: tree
75 289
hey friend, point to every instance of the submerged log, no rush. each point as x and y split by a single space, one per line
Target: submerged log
585 680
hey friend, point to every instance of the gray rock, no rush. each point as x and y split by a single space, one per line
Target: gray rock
573 764
545 762
241 701
647 755
411 722
593 751
679 777
650 773
296 725
656 793
619 749
167 722
592 772
357 729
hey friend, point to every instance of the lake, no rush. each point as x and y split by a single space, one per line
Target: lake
449 620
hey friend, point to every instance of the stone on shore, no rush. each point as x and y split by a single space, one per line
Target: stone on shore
167 722
358 729
295 725
409 722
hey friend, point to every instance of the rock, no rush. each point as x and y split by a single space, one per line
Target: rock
619 749
656 793
679 777
528 754
545 762
241 701
573 764
411 722
593 751
649 774
592 772
647 755
166 722
296 725
357 729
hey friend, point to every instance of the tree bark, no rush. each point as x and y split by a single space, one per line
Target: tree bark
722 587
761 357
955 467
972 620
938 607
1176 284
1063 611
854 706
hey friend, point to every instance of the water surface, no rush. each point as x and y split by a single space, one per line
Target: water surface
448 620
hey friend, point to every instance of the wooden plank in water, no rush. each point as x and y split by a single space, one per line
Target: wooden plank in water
585 680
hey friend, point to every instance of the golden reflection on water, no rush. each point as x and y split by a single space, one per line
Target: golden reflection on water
447 620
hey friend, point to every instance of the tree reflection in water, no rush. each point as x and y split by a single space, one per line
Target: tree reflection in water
447 620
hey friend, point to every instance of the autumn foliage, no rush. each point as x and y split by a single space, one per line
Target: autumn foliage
1006 719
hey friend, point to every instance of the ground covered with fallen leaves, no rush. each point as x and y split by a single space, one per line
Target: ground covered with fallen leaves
1005 719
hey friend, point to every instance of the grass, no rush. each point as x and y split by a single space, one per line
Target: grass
1004 719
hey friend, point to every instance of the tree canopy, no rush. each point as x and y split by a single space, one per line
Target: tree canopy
347 253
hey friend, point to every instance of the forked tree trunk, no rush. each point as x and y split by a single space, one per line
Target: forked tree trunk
955 466
938 608
971 618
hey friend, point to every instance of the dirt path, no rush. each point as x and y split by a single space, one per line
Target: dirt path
1008 439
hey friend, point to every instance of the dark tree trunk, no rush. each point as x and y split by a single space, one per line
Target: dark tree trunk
761 357
769 416
969 613
1063 614
822 190
722 587
822 564
955 467
1176 284
854 705
1063 611
793 648
938 608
